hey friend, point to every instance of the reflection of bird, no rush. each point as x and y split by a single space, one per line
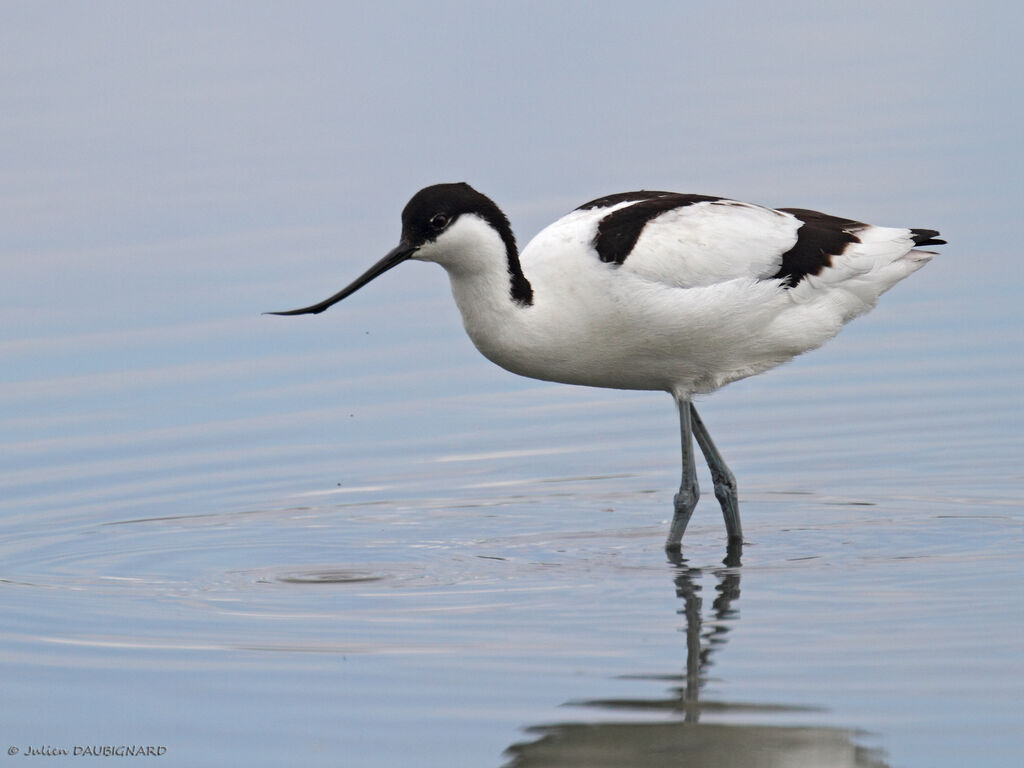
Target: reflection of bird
653 290
647 737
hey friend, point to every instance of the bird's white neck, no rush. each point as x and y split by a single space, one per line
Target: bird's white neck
490 290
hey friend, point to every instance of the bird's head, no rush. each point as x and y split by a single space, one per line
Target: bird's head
451 224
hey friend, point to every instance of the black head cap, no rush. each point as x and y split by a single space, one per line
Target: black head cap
429 213
435 208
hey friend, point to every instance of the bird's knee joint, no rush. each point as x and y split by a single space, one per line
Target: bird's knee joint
725 492
687 497
725 484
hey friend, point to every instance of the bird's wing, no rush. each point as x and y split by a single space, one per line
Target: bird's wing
690 240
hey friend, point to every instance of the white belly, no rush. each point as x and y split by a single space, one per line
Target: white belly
624 332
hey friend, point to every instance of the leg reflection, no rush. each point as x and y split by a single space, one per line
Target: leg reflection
701 641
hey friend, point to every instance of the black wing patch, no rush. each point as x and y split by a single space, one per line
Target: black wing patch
820 238
618 232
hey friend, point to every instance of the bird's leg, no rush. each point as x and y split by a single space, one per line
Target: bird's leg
725 482
689 490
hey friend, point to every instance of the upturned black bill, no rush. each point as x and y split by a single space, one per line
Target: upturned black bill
394 257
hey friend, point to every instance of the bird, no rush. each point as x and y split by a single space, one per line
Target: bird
653 290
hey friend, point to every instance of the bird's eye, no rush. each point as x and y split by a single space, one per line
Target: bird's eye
439 221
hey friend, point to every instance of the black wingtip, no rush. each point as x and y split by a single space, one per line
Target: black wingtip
926 237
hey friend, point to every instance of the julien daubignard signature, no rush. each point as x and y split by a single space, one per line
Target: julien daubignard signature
90 750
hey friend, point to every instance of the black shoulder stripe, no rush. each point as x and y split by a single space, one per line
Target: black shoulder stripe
819 239
621 197
926 237
618 232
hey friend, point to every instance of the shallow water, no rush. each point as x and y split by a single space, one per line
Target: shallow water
350 540
266 559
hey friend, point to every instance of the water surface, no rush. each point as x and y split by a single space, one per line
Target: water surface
350 540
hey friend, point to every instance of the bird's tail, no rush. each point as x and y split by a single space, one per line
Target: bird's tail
926 237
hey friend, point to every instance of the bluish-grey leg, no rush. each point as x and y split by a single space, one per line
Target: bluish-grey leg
725 483
689 490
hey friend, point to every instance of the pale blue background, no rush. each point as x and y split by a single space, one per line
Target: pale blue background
171 170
